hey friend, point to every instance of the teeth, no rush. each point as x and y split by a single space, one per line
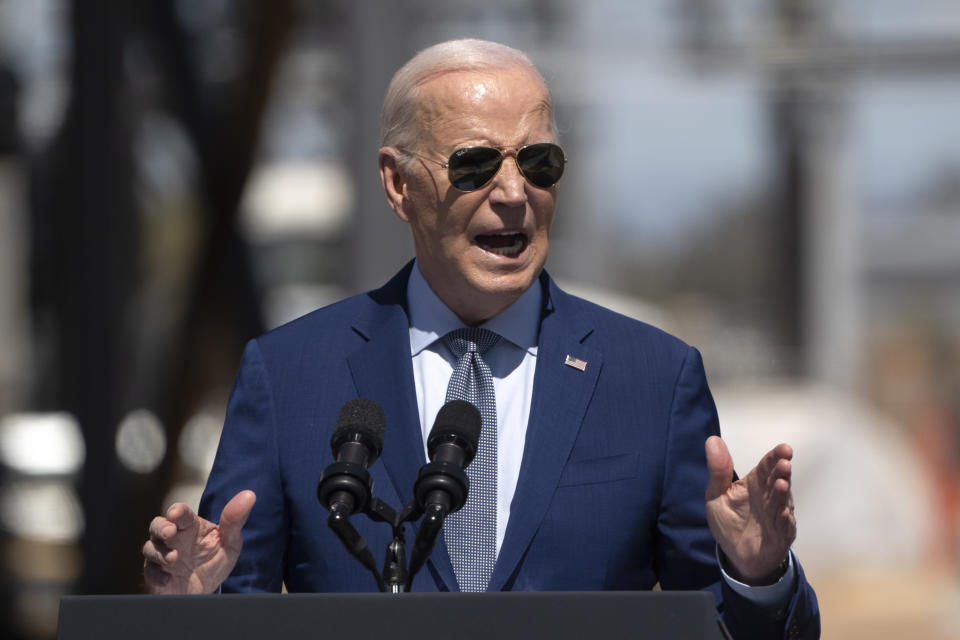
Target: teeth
501 248
511 250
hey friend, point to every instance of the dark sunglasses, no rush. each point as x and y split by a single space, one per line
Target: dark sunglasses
470 168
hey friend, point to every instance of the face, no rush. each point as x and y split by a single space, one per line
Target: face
479 251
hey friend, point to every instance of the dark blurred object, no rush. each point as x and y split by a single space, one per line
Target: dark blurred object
9 135
85 247
9 138
87 257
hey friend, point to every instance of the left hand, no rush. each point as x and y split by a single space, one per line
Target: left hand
751 519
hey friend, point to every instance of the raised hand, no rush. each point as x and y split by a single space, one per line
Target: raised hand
751 519
187 554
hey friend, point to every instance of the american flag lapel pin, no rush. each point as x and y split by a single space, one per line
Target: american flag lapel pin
576 363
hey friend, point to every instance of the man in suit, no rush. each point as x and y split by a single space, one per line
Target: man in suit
605 433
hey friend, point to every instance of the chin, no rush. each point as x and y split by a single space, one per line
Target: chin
509 285
514 275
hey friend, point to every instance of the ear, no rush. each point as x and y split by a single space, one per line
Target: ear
394 180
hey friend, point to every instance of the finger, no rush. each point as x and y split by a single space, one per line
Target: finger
787 511
159 553
787 523
783 469
781 489
776 458
234 516
162 529
783 451
778 502
779 479
770 460
155 577
719 466
182 516
778 507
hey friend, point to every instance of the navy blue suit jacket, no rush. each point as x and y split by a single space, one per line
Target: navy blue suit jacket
610 493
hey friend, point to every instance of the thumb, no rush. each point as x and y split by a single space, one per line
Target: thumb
234 516
719 466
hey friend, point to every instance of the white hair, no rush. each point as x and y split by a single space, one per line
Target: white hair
399 116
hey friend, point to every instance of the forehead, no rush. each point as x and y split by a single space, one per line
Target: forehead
499 107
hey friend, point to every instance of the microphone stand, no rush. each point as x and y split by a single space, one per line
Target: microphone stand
397 575
430 529
395 564
339 523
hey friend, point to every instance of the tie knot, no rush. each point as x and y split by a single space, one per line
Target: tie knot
470 339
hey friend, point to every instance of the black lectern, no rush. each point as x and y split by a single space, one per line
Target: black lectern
421 616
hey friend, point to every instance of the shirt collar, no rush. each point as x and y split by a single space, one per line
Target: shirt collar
431 319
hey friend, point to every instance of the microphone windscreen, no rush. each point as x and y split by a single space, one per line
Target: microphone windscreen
360 417
456 419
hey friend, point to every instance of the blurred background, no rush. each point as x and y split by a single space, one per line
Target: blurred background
777 182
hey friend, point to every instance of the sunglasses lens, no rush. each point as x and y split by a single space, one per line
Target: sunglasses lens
473 167
541 164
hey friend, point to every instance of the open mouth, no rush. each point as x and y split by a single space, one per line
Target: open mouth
503 244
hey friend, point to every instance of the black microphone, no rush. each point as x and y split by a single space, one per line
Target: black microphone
451 446
357 441
441 487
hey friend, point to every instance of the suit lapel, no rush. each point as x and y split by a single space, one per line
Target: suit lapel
561 393
382 371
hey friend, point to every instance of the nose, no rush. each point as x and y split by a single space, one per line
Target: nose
509 185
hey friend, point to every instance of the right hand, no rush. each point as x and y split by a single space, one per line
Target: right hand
187 554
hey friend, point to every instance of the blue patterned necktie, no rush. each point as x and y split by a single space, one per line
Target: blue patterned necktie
471 533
